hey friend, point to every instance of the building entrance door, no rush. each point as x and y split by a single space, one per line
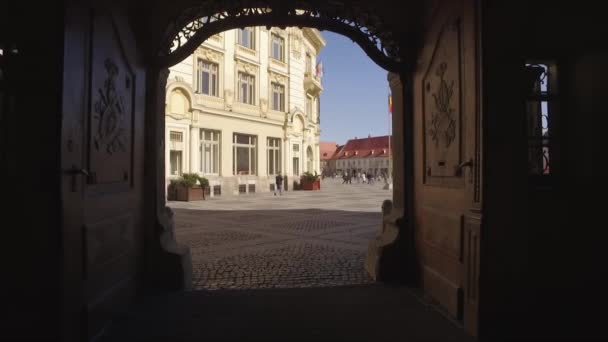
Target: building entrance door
447 135
102 159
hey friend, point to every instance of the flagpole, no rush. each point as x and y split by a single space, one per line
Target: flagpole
390 116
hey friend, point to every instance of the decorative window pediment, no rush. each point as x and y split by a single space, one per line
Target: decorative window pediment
246 67
208 54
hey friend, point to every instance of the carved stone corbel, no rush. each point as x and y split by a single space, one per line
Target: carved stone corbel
228 99
263 107
195 114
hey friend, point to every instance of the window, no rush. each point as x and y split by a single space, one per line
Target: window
540 109
278 47
308 70
246 37
309 107
207 78
274 156
175 161
210 152
244 154
296 160
175 136
246 88
278 97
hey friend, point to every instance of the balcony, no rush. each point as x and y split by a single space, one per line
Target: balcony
312 83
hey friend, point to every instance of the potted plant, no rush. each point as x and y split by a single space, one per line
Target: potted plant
310 181
187 188
204 182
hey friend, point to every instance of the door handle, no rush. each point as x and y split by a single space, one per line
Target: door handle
74 171
461 166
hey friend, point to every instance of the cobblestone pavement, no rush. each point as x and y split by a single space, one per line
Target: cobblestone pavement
300 239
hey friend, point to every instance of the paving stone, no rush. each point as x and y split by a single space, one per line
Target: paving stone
301 239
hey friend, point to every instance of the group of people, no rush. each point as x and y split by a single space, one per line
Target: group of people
362 177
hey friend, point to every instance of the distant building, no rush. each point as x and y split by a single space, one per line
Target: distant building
327 151
371 155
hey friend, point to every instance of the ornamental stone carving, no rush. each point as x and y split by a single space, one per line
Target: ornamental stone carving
246 67
209 54
274 77
228 99
195 115
296 43
263 107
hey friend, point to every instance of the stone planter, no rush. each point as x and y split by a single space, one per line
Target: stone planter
182 193
308 185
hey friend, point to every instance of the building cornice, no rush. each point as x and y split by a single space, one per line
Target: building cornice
315 38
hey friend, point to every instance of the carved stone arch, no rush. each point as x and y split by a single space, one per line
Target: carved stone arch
294 114
179 94
359 22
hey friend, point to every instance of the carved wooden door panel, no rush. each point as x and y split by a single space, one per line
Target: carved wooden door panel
102 157
447 159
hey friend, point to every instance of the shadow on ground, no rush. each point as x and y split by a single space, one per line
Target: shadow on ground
372 313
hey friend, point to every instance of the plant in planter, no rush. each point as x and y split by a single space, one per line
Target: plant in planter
309 181
187 188
204 182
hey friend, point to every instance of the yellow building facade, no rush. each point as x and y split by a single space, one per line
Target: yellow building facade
245 107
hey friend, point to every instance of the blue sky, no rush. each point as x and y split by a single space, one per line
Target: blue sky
355 90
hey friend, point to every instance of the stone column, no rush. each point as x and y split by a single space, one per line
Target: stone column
397 141
168 265
194 149
391 255
317 158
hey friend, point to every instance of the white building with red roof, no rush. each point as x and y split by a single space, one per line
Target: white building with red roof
371 155
327 149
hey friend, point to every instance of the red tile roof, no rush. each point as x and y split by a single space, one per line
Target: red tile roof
327 149
364 147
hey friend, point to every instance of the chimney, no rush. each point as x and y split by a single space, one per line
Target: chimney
369 136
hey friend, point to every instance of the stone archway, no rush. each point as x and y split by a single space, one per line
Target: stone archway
195 24
198 23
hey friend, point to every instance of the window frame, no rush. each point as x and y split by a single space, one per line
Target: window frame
277 38
295 159
546 140
281 96
250 82
178 162
215 154
309 106
178 135
251 37
214 91
252 147
273 147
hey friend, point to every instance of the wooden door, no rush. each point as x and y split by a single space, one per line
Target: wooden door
102 155
447 159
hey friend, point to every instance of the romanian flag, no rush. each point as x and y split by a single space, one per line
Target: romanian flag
390 103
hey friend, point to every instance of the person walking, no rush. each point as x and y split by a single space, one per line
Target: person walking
278 185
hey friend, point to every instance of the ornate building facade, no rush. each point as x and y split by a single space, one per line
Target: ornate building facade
245 107
371 155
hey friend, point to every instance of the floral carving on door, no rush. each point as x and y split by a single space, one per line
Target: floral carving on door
109 114
443 123
442 108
